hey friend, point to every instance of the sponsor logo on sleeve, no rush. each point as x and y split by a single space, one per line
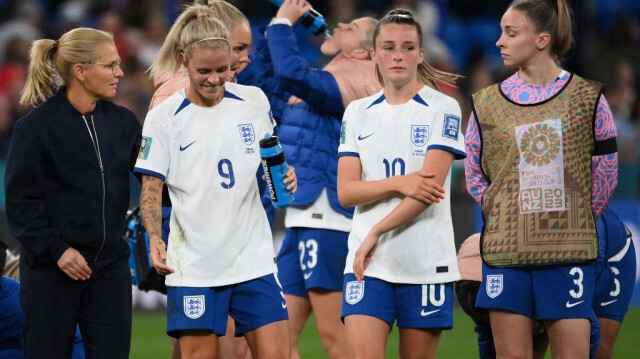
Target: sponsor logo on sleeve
451 127
145 146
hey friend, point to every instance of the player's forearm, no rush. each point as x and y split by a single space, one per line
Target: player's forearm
358 192
407 210
437 162
151 205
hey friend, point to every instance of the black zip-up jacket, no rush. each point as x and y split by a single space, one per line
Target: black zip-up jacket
67 180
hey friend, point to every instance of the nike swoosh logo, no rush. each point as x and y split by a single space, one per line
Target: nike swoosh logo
307 275
360 137
604 304
424 314
284 305
187 146
570 305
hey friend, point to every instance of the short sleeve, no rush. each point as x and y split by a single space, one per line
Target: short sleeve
270 121
447 131
347 134
153 156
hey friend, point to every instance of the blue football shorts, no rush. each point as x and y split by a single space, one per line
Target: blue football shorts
614 286
312 258
252 304
418 306
553 292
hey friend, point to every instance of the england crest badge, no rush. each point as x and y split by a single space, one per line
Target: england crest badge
247 134
494 285
354 292
419 135
193 306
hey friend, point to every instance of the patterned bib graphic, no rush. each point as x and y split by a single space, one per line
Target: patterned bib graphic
541 166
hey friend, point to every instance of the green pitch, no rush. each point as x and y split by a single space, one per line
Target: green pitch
150 341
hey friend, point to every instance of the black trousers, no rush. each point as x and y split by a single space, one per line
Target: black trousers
53 304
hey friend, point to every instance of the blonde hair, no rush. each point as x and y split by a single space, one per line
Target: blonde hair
552 16
12 265
224 11
427 74
197 26
367 43
51 61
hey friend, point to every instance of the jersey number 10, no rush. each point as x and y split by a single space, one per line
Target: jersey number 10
391 167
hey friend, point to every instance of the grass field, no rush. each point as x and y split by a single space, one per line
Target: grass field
150 341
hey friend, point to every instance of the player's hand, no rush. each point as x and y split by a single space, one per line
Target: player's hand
421 186
291 181
293 10
364 254
158 254
73 264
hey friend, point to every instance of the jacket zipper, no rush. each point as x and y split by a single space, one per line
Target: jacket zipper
96 147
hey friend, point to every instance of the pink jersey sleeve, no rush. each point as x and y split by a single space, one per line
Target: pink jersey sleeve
476 181
604 168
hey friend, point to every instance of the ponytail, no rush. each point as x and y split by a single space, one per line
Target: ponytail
564 33
552 16
41 74
51 61
197 26
224 11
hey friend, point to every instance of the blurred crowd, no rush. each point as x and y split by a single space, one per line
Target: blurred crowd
459 36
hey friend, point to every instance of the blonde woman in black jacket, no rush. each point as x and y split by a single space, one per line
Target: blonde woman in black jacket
67 193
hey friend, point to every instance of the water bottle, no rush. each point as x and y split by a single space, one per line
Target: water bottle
275 170
312 20
130 235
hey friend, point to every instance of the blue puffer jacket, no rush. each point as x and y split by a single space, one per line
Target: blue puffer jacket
309 130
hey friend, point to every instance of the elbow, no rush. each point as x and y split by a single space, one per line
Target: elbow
344 199
345 204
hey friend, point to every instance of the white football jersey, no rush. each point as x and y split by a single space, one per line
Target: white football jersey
208 157
392 140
